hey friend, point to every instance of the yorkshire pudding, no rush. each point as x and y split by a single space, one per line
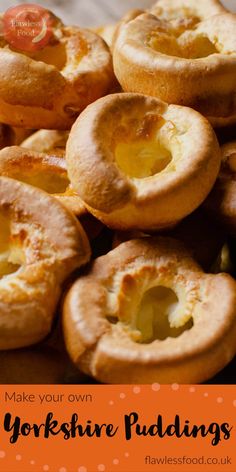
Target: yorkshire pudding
49 88
138 163
221 203
45 171
147 313
196 67
47 141
41 243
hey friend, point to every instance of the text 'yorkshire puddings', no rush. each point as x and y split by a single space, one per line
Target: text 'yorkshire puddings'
191 64
146 313
48 88
138 163
41 243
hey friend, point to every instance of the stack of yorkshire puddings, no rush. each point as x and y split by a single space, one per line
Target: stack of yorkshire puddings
125 158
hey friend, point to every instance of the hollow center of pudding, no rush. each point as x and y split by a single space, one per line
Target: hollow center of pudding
49 180
54 55
189 45
156 306
11 253
142 158
197 46
68 51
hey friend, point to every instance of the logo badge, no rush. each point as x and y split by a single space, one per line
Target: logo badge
27 27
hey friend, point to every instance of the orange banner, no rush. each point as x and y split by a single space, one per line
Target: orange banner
97 428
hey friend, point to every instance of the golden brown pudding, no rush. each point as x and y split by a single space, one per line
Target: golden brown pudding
138 163
146 313
195 67
41 244
50 87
